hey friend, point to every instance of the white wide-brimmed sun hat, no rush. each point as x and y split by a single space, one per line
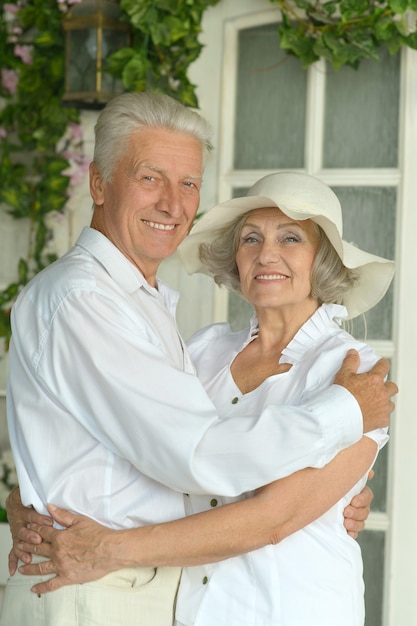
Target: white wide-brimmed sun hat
300 197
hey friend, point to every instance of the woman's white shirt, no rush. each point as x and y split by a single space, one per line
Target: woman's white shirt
314 577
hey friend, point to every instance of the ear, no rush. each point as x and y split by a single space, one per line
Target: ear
96 185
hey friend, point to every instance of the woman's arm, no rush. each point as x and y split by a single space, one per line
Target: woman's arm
86 550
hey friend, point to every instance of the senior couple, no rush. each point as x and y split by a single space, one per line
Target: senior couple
242 475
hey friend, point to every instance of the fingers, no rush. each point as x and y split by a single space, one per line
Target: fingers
44 568
391 388
63 517
353 534
363 499
351 361
381 368
32 517
29 535
42 549
13 560
45 533
354 527
50 585
18 554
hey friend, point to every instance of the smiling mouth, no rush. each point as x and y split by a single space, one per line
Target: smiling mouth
159 226
271 277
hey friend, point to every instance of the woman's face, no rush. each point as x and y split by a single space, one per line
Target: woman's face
275 256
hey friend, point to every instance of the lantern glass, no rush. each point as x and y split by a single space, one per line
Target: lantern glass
93 32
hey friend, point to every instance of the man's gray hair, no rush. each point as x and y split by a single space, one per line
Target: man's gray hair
130 112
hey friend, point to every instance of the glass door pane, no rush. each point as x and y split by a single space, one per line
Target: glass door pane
362 115
270 103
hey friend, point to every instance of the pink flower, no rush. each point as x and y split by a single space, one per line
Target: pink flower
76 178
85 163
25 53
75 130
11 8
9 80
3 133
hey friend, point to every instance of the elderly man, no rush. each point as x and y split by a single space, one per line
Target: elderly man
106 416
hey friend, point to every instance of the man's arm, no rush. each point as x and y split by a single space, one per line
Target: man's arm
87 550
197 451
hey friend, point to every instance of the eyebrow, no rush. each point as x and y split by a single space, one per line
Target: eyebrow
160 170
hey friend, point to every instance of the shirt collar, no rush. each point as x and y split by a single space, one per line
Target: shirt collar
309 334
123 272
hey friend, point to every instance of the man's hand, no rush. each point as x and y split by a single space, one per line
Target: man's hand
370 389
19 517
357 512
77 554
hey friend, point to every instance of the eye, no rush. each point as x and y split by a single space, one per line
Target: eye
190 186
250 239
290 238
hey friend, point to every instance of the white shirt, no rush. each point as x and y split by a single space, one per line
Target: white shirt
314 577
106 415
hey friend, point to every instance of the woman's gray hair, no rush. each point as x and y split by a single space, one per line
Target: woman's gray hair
130 112
330 279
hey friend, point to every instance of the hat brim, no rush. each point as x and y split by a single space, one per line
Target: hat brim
375 273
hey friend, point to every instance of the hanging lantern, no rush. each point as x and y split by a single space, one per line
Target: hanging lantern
93 32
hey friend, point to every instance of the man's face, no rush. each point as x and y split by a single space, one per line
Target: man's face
150 204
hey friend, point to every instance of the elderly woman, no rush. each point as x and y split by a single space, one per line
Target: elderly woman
281 249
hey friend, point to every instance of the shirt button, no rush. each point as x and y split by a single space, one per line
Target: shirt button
213 502
235 400
205 580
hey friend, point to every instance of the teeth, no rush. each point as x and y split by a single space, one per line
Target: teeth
270 277
160 226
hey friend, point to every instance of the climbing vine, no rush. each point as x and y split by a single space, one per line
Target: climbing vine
345 32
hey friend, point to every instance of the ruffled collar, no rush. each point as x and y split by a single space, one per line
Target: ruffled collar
310 332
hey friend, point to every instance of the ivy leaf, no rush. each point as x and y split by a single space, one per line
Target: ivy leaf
135 73
398 6
296 43
352 8
384 29
23 271
55 166
411 40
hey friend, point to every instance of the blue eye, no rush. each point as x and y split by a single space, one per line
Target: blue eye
250 239
291 238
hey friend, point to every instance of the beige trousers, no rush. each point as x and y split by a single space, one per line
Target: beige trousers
129 597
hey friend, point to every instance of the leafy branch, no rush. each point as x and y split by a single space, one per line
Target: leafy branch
34 183
164 44
345 32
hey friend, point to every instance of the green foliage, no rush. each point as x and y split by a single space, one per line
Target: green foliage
32 121
345 32
164 44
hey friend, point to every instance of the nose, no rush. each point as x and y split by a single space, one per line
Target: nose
170 201
269 252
